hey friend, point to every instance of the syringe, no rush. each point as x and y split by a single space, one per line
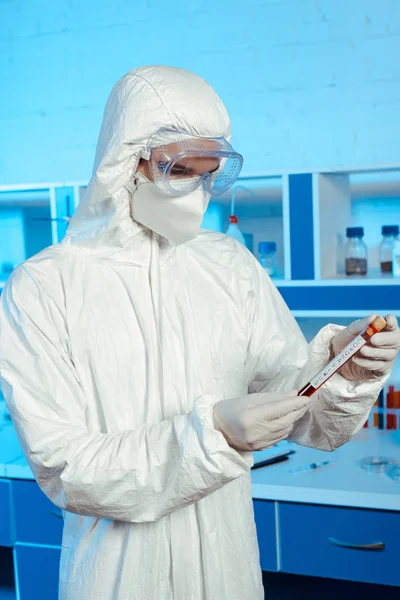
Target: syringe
345 355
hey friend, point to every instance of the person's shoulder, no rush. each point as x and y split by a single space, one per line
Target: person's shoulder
222 248
37 275
221 242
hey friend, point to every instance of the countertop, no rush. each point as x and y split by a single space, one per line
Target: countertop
341 483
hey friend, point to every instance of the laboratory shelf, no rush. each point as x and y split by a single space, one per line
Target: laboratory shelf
338 282
352 198
338 314
375 298
306 213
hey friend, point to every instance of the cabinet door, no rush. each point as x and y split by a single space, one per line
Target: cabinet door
341 543
37 520
36 572
264 515
5 512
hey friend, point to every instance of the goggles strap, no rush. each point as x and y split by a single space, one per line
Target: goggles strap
145 153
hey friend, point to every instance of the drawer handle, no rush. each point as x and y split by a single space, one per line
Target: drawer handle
378 546
57 512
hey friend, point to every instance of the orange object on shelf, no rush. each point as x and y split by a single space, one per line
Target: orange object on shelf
390 397
392 402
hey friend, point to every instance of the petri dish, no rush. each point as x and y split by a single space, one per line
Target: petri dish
376 464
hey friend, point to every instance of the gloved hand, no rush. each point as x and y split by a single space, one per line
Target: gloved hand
376 358
258 421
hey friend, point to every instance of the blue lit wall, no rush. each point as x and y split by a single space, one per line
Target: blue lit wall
308 84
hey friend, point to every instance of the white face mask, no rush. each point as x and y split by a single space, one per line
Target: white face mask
176 218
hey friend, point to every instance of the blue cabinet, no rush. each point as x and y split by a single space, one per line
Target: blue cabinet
37 520
6 526
36 572
341 543
264 515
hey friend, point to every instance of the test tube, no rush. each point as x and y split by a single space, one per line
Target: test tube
392 404
341 359
381 404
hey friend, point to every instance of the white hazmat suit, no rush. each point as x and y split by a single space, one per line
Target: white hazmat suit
115 346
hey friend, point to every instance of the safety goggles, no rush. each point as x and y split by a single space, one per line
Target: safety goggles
180 163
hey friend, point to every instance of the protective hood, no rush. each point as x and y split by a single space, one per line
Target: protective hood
142 102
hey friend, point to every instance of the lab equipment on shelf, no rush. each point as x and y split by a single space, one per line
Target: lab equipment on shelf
356 252
396 258
249 241
385 413
390 234
267 252
233 227
234 231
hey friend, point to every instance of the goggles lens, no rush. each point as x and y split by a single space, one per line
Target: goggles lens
188 162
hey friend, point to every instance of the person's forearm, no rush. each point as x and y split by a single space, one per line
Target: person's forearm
135 476
338 410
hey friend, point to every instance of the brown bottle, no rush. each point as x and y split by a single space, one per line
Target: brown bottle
356 252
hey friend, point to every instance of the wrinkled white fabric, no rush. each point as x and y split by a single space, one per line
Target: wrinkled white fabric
115 346
176 218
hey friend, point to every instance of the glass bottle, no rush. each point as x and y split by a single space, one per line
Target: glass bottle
356 252
396 259
267 252
390 235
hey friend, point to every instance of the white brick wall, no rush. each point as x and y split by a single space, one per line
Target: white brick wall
308 83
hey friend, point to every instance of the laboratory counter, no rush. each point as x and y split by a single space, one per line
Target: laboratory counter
324 514
317 513
341 482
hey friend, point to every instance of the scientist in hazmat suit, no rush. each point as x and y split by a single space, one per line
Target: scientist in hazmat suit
142 360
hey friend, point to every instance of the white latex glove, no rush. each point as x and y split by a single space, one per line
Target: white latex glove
376 358
258 421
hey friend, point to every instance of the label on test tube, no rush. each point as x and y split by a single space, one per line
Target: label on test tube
338 361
